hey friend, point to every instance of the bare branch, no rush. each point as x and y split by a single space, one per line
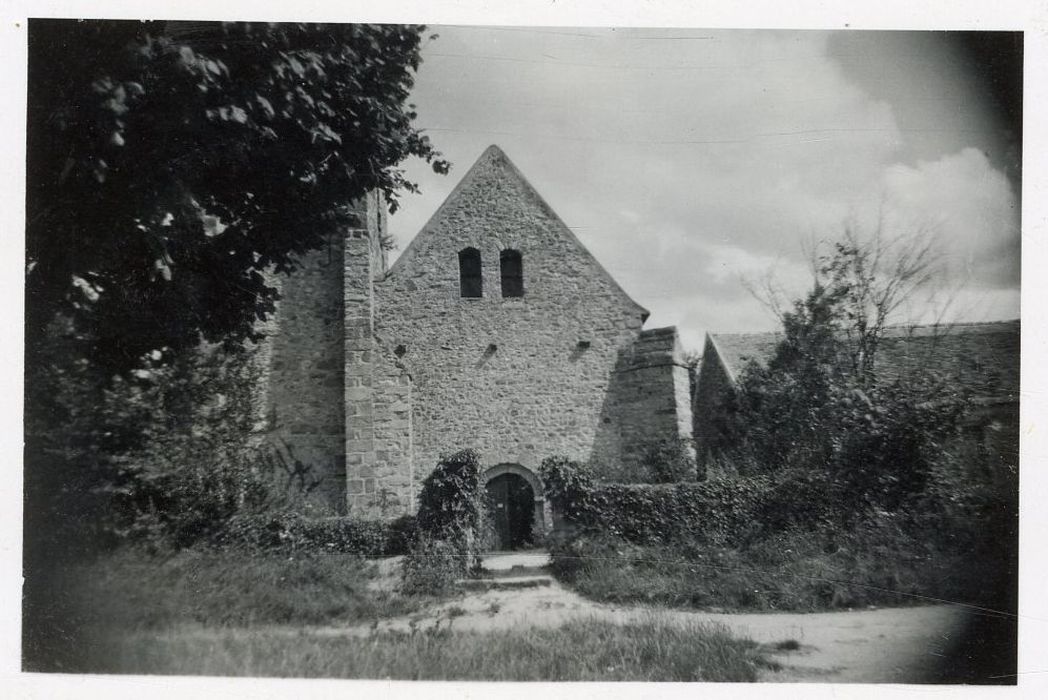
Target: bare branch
766 290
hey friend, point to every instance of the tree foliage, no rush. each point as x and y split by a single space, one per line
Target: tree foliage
820 402
159 456
171 165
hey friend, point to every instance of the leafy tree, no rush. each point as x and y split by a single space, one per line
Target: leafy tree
819 403
172 168
781 411
171 165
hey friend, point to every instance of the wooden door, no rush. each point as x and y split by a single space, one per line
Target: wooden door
512 504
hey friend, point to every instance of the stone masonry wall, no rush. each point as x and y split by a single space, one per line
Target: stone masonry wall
711 391
649 401
518 379
359 366
377 386
312 353
304 383
389 490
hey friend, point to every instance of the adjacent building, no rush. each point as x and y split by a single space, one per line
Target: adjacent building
979 360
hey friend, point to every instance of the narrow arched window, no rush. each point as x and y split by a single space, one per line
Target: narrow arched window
512 265
471 283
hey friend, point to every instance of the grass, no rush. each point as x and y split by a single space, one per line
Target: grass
130 590
581 650
226 589
232 614
794 570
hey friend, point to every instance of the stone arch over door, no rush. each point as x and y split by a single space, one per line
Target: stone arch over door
540 513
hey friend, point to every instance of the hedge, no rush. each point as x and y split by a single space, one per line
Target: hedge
342 535
718 510
655 513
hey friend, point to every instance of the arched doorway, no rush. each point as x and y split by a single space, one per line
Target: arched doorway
514 497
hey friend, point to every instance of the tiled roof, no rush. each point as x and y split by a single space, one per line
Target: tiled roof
736 350
981 357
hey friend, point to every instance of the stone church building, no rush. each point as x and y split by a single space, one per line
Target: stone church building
494 330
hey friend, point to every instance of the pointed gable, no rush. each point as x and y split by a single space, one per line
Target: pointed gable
508 330
495 209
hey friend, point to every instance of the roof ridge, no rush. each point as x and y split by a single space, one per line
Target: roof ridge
645 313
899 326
982 355
489 153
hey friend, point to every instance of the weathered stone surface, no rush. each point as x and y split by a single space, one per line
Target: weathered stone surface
304 381
714 383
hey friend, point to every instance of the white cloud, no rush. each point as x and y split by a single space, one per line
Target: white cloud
972 208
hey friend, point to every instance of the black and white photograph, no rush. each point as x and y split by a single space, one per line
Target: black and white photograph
523 351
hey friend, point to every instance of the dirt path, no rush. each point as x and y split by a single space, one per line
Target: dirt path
888 645
891 645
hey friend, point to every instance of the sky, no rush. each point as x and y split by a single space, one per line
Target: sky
691 162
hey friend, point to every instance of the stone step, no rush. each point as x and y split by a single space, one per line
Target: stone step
516 572
503 583
501 561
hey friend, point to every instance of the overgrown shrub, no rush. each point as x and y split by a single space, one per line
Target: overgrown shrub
971 507
824 403
973 496
450 505
788 540
881 440
885 447
189 497
487 532
158 455
449 502
671 461
798 498
567 484
401 534
433 566
294 532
